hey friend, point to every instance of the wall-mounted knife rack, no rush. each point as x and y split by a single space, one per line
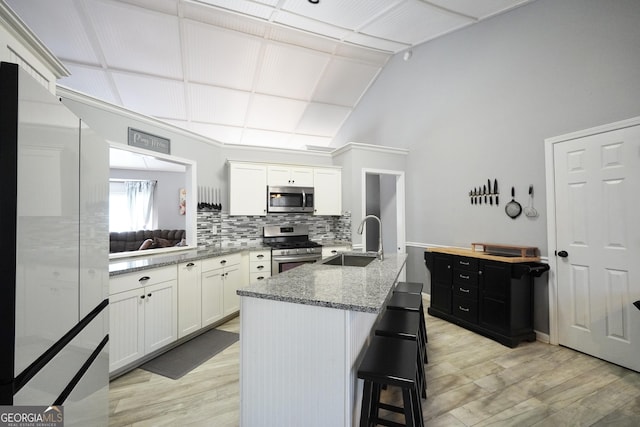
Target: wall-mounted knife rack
486 194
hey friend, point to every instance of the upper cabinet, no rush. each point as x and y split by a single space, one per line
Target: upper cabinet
327 183
285 175
248 186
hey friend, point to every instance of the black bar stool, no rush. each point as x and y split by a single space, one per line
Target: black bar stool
411 302
413 288
390 362
405 325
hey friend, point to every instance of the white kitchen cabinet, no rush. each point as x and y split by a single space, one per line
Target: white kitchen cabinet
327 183
189 297
212 296
221 279
285 175
259 265
247 188
330 250
143 314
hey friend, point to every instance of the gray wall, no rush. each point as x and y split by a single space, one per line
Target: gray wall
478 104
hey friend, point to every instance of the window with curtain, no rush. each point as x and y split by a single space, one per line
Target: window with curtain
131 205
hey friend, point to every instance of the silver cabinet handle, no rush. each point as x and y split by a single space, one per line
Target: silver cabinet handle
465 290
463 309
462 276
464 262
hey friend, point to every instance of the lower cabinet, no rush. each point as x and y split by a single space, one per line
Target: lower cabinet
142 314
259 265
221 278
189 296
489 297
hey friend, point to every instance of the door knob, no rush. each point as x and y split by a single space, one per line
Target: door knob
562 254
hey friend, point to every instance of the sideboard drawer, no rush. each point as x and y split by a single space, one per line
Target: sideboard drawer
465 308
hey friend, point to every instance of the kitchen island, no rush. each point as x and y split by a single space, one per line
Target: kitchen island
302 336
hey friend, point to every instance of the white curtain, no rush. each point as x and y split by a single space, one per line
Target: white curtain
140 203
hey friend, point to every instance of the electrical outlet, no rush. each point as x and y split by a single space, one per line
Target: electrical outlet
214 229
327 228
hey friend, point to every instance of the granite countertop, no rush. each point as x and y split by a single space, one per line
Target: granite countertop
138 263
347 288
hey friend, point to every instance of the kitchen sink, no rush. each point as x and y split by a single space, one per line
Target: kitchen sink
350 260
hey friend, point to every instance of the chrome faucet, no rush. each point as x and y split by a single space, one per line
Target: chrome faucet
360 228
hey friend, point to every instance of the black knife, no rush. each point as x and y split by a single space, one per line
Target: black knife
489 191
484 191
495 189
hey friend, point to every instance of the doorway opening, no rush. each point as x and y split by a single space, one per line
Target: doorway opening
383 195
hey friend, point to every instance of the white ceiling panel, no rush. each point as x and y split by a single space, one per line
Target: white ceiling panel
322 119
245 7
274 113
218 105
137 39
290 71
414 22
90 80
376 42
479 9
311 25
166 6
221 57
283 73
351 14
155 96
344 81
226 134
60 25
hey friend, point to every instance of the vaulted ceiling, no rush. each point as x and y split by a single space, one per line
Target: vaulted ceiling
283 73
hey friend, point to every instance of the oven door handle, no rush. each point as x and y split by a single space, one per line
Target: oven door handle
295 258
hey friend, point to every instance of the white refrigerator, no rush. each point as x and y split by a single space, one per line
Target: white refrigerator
53 301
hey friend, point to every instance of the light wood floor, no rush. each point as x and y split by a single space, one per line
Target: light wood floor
472 381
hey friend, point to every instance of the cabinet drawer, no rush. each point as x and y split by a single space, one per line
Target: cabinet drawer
465 277
139 279
465 291
220 261
260 256
260 267
257 277
465 263
465 309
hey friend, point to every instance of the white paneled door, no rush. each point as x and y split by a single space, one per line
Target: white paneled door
597 199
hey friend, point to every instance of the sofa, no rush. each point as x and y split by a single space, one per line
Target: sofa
124 241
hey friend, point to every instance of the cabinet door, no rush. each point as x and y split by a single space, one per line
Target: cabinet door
247 189
327 185
126 328
441 282
189 296
232 281
302 177
212 296
295 176
494 283
160 315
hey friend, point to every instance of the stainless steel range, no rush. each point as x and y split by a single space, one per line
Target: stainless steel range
290 247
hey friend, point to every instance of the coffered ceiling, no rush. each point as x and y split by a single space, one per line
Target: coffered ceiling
283 73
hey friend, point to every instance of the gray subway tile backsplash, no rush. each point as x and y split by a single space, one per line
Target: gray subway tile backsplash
247 230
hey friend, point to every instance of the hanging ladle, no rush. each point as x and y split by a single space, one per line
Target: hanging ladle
530 211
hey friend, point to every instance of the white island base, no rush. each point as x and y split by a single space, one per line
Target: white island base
299 363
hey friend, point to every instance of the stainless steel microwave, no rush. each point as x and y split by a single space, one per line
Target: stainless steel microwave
289 199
